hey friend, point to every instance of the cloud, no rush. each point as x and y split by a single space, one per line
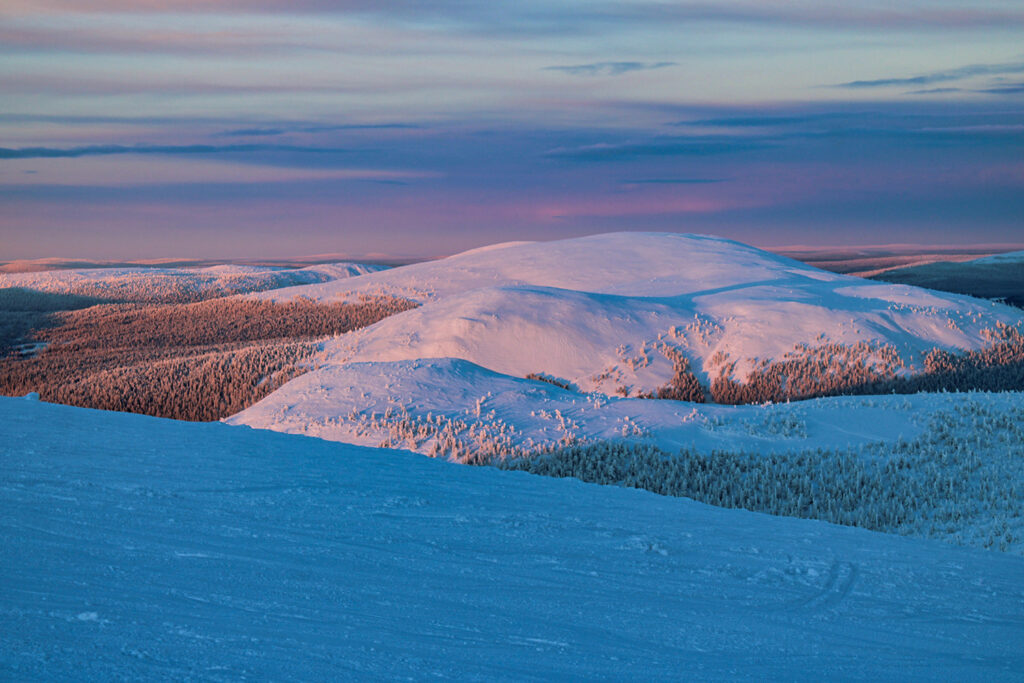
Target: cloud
821 156
85 120
107 150
1008 89
316 128
886 82
657 147
940 76
245 127
934 91
673 181
835 14
763 121
855 119
252 132
572 16
608 68
198 82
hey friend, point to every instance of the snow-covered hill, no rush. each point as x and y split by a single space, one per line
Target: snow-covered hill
178 284
606 316
1006 257
427 406
607 313
139 548
1000 276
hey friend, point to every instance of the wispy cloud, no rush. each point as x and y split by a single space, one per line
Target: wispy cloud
1007 89
108 150
316 128
512 16
85 120
252 132
608 68
946 76
836 14
243 126
934 91
673 181
657 147
764 121
855 119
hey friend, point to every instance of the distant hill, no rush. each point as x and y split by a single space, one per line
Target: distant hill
1000 276
502 331
614 310
173 284
864 261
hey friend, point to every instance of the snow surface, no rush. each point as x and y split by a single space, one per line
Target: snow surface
348 403
140 548
173 282
599 313
1007 257
592 311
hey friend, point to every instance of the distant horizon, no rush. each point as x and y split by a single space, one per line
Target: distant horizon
792 250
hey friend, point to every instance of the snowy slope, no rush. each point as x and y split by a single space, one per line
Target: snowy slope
456 410
139 548
172 284
627 264
600 312
605 316
413 403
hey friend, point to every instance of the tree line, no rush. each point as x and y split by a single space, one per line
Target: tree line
200 361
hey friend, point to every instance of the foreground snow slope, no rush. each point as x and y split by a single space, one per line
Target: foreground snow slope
608 312
142 548
176 283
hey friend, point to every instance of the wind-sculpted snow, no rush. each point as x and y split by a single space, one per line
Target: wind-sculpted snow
139 548
177 285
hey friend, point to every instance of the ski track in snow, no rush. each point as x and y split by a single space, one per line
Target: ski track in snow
139 548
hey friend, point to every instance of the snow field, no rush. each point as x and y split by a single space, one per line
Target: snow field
136 547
